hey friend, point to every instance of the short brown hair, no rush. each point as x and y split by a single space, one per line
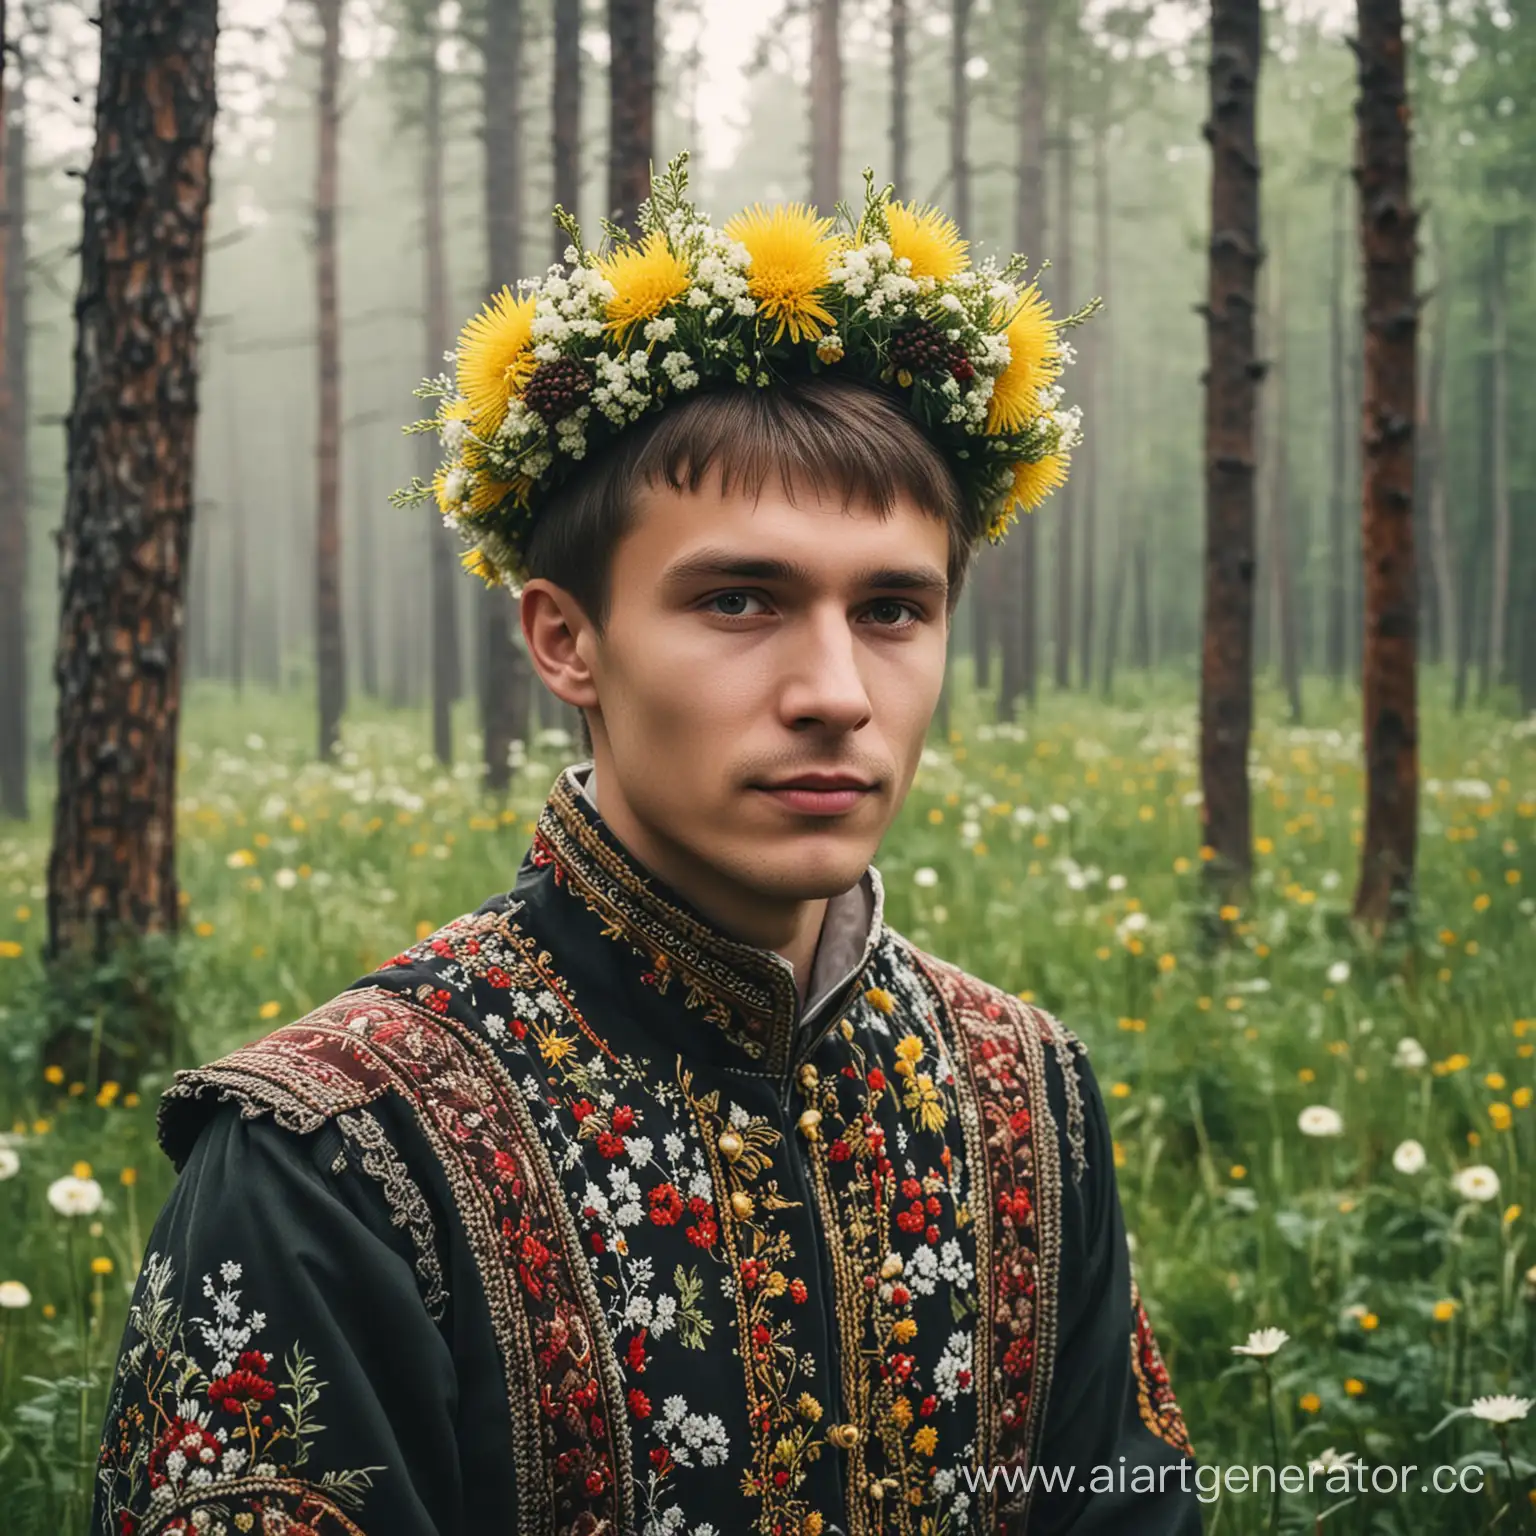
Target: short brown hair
820 431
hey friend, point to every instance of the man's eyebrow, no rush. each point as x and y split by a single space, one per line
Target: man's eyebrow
715 562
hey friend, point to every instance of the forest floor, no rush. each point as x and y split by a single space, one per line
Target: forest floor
1310 1135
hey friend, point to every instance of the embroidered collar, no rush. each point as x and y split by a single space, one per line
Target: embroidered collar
746 991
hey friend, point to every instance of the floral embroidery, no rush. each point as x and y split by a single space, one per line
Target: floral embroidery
1155 1401
206 1436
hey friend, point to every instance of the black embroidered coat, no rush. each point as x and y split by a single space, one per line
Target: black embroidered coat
566 1222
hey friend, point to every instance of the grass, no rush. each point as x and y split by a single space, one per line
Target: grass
1059 859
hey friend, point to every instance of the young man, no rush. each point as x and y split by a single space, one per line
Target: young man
671 1191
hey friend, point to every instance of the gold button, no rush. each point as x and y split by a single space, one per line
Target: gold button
741 1204
809 1122
730 1144
844 1436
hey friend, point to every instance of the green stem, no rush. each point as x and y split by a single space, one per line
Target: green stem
1274 1441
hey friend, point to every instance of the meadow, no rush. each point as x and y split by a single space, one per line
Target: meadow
1311 1135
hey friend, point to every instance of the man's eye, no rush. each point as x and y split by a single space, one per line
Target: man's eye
888 603
735 598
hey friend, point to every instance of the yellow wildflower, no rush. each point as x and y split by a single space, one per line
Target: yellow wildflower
792 252
1445 1310
646 278
495 355
1034 363
1309 1402
928 239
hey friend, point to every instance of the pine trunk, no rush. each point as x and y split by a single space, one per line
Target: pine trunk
447 676
15 731
1498 459
1019 582
128 507
1064 503
506 675
1388 223
1442 548
1338 559
632 106
330 640
565 114
1095 363
1226 684
826 103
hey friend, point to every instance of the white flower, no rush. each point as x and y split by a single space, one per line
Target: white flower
14 1294
925 876
1330 1461
1059 813
1409 1157
10 1164
1262 1343
1502 1408
70 1196
1410 1055
1115 883
285 879
1479 1182
1320 1120
1338 973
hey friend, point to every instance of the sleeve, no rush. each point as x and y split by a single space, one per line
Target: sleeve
1111 1417
279 1370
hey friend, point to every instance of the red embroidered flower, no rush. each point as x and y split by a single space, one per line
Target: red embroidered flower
639 1403
624 1118
666 1205
752 1270
930 1406
438 1001
244 1384
497 977
198 1445
703 1233
636 1353
912 1189
900 1295
797 1290
1019 1358
609 1144
598 1245
661 1458
876 1079
1019 1122
931 1236
839 1151
581 1109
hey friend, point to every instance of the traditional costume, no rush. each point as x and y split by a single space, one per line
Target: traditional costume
572 1219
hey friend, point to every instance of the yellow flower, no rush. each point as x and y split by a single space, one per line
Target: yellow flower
129 1177
495 358
204 929
53 1074
924 1441
646 278
909 1048
1309 1402
901 1413
1499 1114
1034 362
1033 481
476 562
878 997
1238 1171
270 1010
808 1407
1369 1321
1229 914
555 1048
1354 1386
792 251
928 239
1511 1215
1119 1154
1522 1097
1445 1311
101 1266
1120 1090
9 949
81 1170
904 1330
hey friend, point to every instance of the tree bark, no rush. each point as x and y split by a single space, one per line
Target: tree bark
1095 350
826 103
1065 509
506 675
1498 459
442 542
1388 223
1233 372
1338 558
1441 545
128 507
1020 623
565 114
901 101
330 637
15 733
632 107
1280 541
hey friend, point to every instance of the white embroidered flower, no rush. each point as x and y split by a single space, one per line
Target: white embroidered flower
70 1196
1320 1120
1409 1157
954 1266
640 1148
1262 1343
739 1117
1479 1182
639 1311
1501 1408
665 1315
673 1144
688 1435
922 1271
954 1364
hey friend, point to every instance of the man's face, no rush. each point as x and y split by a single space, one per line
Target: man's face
752 642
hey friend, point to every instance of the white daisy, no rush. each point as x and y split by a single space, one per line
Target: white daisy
1501 1408
1262 1343
1479 1182
1320 1120
1409 1157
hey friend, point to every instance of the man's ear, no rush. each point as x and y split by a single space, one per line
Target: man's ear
556 629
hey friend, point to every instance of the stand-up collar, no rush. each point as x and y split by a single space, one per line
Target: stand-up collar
734 1001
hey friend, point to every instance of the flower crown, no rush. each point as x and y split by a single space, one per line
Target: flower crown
550 374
